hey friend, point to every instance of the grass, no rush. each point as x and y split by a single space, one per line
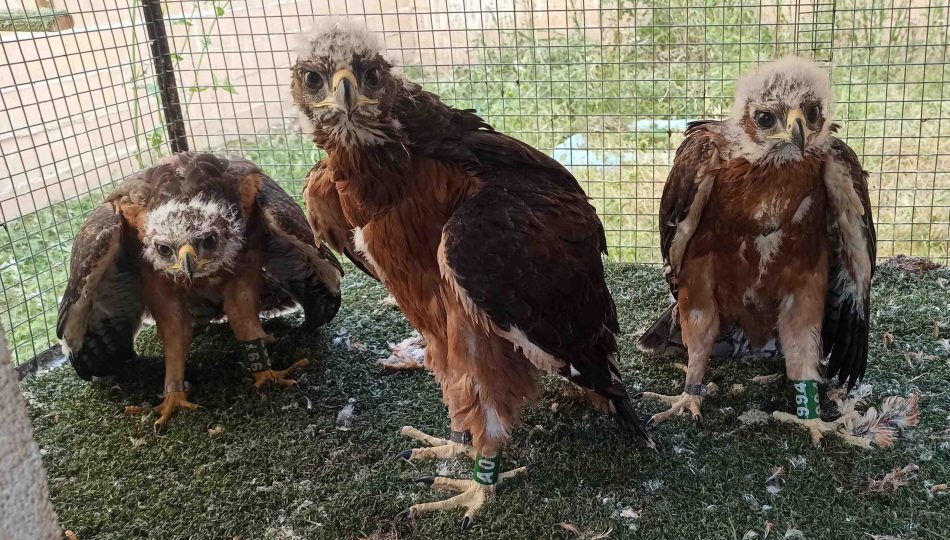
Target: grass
281 469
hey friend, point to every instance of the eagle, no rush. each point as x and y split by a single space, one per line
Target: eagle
766 233
195 238
490 248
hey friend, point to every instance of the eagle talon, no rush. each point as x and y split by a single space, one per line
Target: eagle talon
437 448
170 405
278 377
818 428
680 404
471 495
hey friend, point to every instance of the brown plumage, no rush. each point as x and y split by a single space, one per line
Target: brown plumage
490 247
325 214
243 247
764 240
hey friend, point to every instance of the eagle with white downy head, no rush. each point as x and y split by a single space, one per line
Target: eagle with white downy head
766 232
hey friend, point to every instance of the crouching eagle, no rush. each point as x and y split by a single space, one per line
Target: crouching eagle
194 238
766 232
490 248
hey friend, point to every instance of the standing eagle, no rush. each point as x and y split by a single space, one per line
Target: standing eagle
766 231
490 248
194 238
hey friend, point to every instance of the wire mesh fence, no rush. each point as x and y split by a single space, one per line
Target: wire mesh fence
604 86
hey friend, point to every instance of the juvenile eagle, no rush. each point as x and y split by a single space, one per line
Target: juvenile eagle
490 248
194 238
766 231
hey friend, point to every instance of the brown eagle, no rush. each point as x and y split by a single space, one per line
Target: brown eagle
766 231
195 238
490 248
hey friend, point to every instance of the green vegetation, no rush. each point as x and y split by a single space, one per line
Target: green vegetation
665 63
281 469
33 20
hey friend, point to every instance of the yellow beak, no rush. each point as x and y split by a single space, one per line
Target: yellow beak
345 93
796 129
187 260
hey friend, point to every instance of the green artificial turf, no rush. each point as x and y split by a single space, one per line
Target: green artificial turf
281 468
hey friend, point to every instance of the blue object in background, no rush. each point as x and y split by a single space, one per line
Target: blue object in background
573 151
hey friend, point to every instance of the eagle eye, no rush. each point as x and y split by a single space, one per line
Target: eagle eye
764 119
313 80
209 242
164 250
372 78
812 112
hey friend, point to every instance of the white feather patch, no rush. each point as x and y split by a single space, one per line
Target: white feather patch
337 39
802 210
847 211
359 243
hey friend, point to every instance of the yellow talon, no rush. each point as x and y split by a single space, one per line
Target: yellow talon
681 404
279 377
170 405
436 448
818 428
471 495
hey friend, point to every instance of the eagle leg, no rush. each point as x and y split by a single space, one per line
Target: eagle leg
471 495
700 324
174 323
280 377
407 355
819 428
437 448
799 328
242 300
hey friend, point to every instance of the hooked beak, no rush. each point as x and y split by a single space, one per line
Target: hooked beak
344 93
188 260
795 126
796 131
345 88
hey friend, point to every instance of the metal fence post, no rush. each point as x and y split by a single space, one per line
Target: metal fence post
165 71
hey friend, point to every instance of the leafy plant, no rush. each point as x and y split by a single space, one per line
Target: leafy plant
142 77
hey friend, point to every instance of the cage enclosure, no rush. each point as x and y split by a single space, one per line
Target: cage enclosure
94 90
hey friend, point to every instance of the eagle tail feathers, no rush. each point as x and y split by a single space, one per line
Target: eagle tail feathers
664 338
628 419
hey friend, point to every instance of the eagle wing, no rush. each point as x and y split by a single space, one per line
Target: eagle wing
524 255
684 199
102 307
326 217
295 261
844 330
685 195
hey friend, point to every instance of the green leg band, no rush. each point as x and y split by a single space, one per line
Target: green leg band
485 469
806 399
255 355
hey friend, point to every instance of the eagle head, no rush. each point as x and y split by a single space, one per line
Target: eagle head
782 111
193 237
344 85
